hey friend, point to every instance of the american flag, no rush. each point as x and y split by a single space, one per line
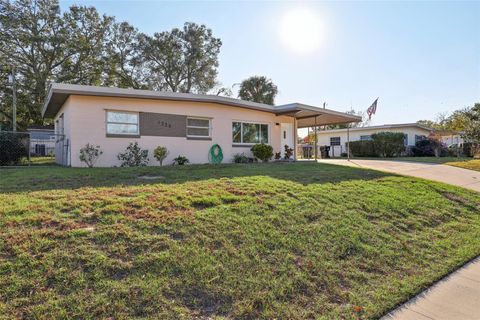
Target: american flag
372 109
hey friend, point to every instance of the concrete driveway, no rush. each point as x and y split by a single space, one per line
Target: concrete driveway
465 178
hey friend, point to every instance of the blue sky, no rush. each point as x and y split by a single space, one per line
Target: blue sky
419 58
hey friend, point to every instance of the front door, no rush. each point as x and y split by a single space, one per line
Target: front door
287 137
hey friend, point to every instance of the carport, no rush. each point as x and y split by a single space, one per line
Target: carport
307 116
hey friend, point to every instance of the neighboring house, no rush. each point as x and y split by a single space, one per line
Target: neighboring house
42 140
450 137
337 138
187 124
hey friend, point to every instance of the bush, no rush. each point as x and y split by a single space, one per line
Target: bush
388 144
288 152
262 151
134 156
240 158
13 147
363 148
90 154
160 153
471 149
430 148
180 161
278 156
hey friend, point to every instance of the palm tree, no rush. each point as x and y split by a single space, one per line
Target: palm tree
258 89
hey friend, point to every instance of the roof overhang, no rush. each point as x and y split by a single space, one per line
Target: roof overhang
58 93
307 116
310 116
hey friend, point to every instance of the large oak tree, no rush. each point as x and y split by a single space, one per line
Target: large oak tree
183 60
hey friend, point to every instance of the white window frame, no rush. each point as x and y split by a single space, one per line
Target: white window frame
199 127
241 132
128 123
339 141
366 137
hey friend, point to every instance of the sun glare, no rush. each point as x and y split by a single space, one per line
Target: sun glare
300 30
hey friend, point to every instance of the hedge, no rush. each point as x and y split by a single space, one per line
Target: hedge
383 144
363 148
13 147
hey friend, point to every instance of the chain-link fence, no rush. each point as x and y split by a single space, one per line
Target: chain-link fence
27 148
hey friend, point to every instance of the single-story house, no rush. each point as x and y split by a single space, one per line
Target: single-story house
187 124
337 138
42 140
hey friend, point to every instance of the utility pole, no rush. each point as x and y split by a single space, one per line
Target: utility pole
12 81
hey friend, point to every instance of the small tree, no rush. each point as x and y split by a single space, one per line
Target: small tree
134 156
90 154
262 151
160 153
472 129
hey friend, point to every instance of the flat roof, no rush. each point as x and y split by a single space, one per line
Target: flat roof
385 126
58 93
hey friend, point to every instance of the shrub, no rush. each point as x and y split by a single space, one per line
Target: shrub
160 153
278 155
90 154
388 144
454 150
13 147
180 161
362 148
430 148
240 158
471 149
133 156
262 151
288 152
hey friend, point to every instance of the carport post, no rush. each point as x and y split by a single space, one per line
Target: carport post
316 155
348 142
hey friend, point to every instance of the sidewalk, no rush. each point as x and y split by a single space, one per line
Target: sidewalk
454 297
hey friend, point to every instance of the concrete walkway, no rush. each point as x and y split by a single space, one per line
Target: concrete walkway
454 297
437 172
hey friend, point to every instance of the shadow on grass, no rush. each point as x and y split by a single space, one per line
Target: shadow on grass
52 178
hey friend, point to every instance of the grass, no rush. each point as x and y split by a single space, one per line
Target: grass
470 164
289 241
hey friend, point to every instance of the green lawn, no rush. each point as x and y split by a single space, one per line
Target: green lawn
285 241
470 164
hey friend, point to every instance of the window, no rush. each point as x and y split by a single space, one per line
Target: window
122 123
365 138
334 141
419 138
405 139
198 127
249 133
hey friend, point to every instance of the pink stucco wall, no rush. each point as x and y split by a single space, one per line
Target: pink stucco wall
85 123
